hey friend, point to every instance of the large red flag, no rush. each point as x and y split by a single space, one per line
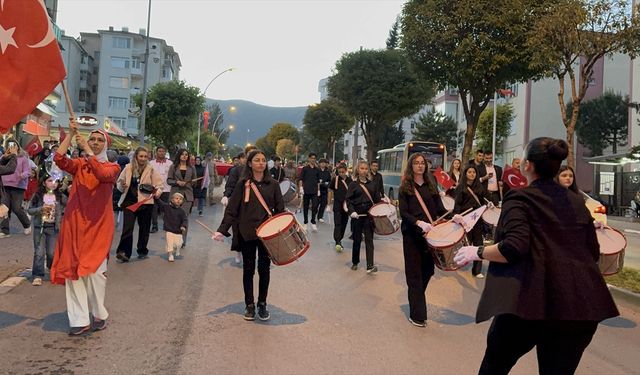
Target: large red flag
34 147
443 178
30 59
514 178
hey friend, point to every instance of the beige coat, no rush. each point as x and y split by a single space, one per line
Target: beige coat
149 177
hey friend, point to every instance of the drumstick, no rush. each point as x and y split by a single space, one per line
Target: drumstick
464 213
206 227
196 179
442 217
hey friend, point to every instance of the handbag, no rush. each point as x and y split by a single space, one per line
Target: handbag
146 188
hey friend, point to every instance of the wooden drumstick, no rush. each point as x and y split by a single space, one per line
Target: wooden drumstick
442 217
206 227
196 179
464 213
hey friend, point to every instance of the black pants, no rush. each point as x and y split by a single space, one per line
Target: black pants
494 197
322 203
143 216
362 225
340 220
12 198
559 344
313 199
235 232
249 268
475 239
418 269
154 213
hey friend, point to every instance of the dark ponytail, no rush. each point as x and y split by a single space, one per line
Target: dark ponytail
546 154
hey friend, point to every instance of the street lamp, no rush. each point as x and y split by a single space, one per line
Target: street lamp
228 128
143 113
232 109
204 93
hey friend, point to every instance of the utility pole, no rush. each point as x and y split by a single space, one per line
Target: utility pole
143 112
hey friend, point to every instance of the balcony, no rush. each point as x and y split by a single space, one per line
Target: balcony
137 71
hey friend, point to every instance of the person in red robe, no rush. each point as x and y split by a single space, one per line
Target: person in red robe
80 259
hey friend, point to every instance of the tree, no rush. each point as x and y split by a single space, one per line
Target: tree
390 135
208 142
474 45
436 127
327 122
286 149
484 133
263 144
393 41
603 122
575 34
234 151
174 116
379 88
216 120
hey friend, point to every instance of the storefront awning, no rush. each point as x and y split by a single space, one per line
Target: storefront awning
46 109
612 159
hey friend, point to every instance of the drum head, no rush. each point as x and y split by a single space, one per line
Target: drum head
448 202
275 224
611 241
445 235
285 186
382 209
491 216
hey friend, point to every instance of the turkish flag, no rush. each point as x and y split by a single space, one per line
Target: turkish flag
514 178
63 135
30 59
443 178
205 119
33 147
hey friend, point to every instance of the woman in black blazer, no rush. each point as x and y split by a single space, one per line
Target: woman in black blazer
470 195
181 178
543 286
247 212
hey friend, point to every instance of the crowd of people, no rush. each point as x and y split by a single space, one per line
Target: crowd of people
538 280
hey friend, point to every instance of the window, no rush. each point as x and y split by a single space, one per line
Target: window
120 42
119 62
399 155
117 103
135 63
120 121
119 82
346 143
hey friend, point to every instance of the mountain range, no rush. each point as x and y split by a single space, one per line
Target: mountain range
251 120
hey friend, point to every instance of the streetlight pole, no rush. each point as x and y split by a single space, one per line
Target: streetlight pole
495 121
204 93
143 112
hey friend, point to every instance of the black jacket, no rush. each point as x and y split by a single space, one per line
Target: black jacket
547 236
310 178
377 180
277 174
339 191
324 178
357 199
411 211
249 215
174 217
482 170
232 179
464 200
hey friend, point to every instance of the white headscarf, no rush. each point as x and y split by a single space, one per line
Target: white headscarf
102 156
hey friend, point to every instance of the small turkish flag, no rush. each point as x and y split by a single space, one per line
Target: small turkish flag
514 178
443 178
30 59
63 135
205 119
33 147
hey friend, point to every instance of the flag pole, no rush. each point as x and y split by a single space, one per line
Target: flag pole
72 115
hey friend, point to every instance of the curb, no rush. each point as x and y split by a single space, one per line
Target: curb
624 295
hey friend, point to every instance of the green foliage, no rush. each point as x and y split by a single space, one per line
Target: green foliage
575 34
263 144
603 122
207 143
393 41
216 120
474 45
327 122
234 151
174 116
390 135
484 134
436 127
379 88
286 149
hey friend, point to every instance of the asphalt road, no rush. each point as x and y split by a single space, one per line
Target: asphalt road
186 317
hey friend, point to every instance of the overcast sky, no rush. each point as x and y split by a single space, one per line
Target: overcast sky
279 49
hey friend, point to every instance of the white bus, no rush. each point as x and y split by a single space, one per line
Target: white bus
392 162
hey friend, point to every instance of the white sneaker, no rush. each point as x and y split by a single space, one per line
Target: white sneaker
37 281
177 251
238 258
479 276
321 220
314 228
171 257
4 235
27 231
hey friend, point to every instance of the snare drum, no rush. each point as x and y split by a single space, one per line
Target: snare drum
288 190
491 217
612 246
448 202
385 219
284 238
444 241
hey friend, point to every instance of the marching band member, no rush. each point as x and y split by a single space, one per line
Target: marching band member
254 198
470 194
340 184
420 205
361 196
544 288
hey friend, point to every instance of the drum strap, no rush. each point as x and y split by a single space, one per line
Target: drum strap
474 195
424 206
364 188
343 183
258 195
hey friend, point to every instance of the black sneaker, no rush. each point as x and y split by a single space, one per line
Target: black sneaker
143 256
122 257
154 229
79 331
354 267
418 323
263 313
99 324
250 312
372 269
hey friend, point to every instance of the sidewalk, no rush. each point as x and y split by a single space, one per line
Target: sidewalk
16 252
630 227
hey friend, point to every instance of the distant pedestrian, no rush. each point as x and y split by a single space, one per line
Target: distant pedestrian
310 190
15 185
180 178
340 185
324 179
161 164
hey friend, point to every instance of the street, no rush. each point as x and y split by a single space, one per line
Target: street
186 317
